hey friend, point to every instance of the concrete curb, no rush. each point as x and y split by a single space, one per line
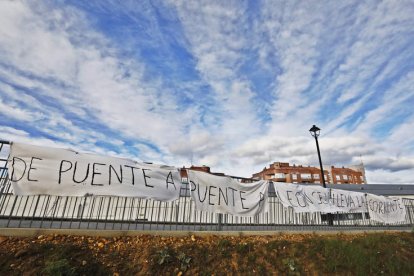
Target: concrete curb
34 232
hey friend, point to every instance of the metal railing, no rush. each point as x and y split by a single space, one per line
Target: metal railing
128 213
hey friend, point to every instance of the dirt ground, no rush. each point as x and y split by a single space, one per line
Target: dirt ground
296 254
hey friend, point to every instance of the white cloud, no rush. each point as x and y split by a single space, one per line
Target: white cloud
296 51
11 110
30 42
9 131
216 40
384 177
391 102
77 68
389 163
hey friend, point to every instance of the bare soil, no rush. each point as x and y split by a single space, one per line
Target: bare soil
296 254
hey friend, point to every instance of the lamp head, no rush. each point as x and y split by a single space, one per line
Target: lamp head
314 131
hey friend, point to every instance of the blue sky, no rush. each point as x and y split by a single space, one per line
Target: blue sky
229 84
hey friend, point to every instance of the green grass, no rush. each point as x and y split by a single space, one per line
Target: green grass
53 259
372 254
224 248
59 267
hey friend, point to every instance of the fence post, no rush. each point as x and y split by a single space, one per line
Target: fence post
220 222
409 211
330 216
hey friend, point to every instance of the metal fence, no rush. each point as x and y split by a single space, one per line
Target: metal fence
128 213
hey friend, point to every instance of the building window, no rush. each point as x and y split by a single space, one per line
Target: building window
316 176
362 178
305 176
294 177
337 177
345 177
280 175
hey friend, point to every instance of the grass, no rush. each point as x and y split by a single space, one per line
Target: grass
52 259
373 254
224 248
59 267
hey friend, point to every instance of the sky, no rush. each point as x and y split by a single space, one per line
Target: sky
234 85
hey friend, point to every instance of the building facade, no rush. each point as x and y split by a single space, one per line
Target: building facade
207 169
284 172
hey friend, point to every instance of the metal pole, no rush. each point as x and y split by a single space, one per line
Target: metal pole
320 162
329 215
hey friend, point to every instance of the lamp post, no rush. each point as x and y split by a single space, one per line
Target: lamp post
315 131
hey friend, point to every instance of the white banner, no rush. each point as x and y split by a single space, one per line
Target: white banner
318 199
218 194
386 209
38 170
349 201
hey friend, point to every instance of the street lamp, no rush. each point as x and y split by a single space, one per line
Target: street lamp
315 131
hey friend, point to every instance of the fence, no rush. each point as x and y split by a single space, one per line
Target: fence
126 213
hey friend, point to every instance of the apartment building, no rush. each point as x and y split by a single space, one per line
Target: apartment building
207 169
284 172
